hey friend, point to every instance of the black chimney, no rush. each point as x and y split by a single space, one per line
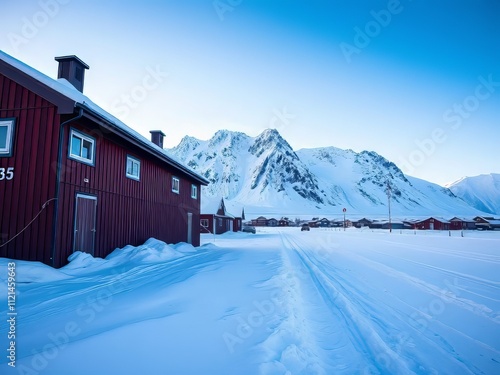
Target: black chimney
72 69
157 137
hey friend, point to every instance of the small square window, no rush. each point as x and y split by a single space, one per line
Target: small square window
194 191
204 223
7 126
133 168
175 185
81 147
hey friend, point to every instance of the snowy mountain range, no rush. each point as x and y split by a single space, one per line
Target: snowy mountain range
481 192
266 176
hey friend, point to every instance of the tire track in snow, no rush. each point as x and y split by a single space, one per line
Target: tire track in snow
84 298
392 313
488 258
457 275
359 329
434 290
291 347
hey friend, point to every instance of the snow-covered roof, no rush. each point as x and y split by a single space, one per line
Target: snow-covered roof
211 207
464 219
382 222
442 220
63 87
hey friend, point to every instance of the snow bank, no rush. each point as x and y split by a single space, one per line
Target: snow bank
152 251
30 272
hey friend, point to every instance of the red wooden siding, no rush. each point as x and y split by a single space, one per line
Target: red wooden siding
33 159
128 211
237 224
432 224
210 227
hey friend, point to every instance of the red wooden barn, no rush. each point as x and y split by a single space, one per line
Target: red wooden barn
75 178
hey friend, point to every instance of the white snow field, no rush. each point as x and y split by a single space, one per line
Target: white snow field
281 301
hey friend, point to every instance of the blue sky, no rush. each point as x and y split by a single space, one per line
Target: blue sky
416 81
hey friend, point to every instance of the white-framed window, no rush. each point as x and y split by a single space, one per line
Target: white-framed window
133 168
81 147
204 223
7 126
194 191
175 185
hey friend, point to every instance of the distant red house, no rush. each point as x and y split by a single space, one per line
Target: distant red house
75 178
433 223
283 223
459 223
488 223
220 222
261 221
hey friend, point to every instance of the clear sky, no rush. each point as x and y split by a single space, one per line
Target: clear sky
416 81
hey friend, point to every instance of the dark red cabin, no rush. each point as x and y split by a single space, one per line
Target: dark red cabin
75 178
433 223
220 222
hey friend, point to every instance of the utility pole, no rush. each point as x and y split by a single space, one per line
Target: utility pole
389 194
344 211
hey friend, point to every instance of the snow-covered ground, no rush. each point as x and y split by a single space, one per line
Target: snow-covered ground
281 301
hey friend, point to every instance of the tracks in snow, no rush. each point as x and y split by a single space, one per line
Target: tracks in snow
352 326
350 317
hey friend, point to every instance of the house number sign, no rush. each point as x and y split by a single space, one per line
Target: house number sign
6 174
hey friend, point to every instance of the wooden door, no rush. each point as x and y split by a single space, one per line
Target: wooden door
190 227
85 223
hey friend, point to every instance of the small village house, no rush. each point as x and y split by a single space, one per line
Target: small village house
272 222
220 221
283 222
460 223
364 222
261 221
433 223
487 223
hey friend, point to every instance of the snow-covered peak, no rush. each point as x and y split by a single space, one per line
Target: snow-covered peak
481 192
226 138
266 176
187 144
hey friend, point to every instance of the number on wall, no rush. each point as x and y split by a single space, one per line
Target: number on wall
6 174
